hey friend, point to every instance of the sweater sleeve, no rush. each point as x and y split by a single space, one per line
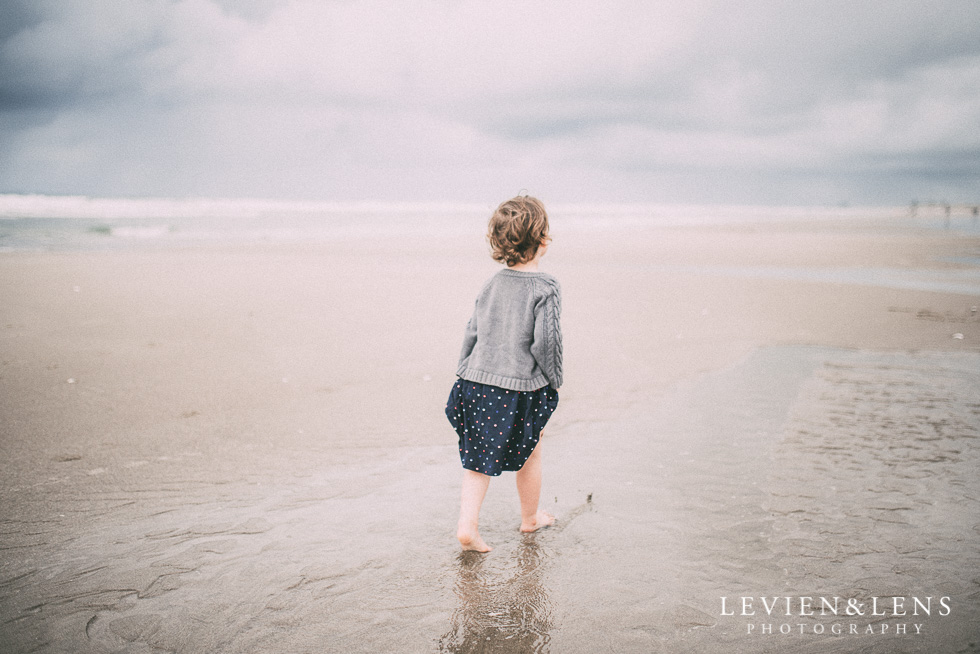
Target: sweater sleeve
469 338
547 346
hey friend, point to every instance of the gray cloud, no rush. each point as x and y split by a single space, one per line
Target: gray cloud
758 101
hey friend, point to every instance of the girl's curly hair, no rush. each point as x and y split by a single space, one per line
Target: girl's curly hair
516 229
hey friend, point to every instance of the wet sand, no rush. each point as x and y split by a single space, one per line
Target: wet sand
242 449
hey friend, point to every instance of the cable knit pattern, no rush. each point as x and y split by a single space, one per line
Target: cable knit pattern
554 330
513 340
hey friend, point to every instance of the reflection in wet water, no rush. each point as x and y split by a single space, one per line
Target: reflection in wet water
501 610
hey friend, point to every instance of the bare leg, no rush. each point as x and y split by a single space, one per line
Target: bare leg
471 499
529 490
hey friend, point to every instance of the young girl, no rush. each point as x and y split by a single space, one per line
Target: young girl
509 371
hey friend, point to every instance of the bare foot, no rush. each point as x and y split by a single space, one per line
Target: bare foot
541 519
470 539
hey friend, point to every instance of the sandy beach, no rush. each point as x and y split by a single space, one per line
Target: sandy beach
242 448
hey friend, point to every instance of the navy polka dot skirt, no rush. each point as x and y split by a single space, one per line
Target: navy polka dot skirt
498 429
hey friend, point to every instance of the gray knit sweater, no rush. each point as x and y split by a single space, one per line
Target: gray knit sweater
513 339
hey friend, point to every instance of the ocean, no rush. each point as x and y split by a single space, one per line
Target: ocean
40 223
46 223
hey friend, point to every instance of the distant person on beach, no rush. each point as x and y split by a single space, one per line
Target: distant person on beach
509 371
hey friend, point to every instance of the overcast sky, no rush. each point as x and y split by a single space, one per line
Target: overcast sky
799 102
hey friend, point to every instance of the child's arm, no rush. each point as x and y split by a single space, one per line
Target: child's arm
547 345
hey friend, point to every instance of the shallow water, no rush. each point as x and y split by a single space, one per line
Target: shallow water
806 472
800 471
